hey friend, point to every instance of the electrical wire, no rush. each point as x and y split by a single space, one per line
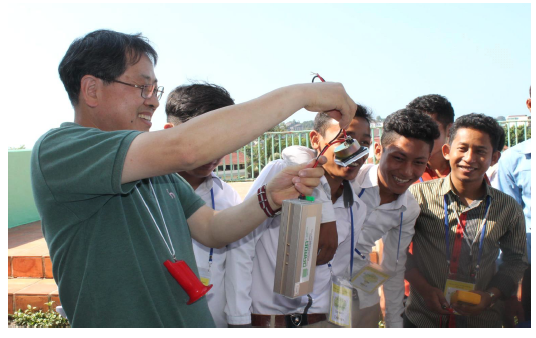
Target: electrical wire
334 141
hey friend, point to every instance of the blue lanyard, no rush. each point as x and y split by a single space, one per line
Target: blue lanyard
352 249
399 235
482 235
420 179
214 208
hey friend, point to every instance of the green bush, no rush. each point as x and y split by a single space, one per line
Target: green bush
37 319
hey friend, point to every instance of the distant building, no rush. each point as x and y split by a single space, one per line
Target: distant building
512 120
237 162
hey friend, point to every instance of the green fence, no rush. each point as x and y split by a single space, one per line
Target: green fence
243 165
516 132
247 162
21 205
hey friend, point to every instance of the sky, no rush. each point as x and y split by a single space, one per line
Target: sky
477 55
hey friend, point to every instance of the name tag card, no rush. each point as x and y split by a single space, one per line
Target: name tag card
370 278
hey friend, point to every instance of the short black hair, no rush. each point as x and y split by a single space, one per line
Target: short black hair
410 123
104 54
434 104
482 123
322 119
188 101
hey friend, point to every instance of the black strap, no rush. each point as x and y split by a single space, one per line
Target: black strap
348 196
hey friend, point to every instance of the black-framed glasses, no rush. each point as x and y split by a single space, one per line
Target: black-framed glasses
147 91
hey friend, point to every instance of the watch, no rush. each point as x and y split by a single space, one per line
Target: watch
491 294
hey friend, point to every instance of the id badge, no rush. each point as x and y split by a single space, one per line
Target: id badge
204 275
370 278
340 309
452 286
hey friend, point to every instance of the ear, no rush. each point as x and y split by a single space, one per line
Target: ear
446 151
528 104
315 138
495 157
88 90
378 150
447 130
168 125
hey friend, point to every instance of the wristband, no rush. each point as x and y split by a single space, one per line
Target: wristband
491 294
263 202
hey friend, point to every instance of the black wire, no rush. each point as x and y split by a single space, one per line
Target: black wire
327 145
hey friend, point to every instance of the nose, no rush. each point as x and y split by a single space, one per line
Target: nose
152 101
469 156
407 169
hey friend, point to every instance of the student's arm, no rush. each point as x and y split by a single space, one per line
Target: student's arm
215 134
216 229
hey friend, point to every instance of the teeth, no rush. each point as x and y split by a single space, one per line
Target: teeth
400 180
145 117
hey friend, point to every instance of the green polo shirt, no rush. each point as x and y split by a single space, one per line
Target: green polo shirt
107 253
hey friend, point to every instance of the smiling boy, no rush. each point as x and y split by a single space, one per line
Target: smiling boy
462 225
406 143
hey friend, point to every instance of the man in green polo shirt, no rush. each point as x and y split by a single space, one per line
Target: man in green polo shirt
112 214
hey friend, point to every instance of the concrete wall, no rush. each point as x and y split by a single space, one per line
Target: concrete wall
21 205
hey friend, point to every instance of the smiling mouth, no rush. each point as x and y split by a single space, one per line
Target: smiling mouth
145 117
467 168
398 180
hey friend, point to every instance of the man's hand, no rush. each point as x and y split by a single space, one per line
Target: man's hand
328 241
474 310
331 98
293 180
435 301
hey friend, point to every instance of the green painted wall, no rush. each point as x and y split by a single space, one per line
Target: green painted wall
21 205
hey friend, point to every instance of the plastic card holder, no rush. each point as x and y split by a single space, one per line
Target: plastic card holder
340 308
205 276
452 285
370 278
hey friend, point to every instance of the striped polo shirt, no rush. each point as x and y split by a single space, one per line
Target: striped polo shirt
505 230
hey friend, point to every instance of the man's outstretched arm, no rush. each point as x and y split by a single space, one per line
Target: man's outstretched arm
216 134
217 229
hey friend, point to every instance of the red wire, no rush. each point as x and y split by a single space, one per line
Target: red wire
326 148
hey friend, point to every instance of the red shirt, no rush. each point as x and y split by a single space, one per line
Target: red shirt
430 174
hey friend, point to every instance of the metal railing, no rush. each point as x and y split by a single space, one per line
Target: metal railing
516 131
247 162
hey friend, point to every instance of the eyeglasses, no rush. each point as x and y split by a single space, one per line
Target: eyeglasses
147 91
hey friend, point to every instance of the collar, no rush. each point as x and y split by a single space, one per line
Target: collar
339 203
208 183
446 187
371 181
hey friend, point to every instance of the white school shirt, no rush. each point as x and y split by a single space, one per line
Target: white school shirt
251 262
224 197
383 221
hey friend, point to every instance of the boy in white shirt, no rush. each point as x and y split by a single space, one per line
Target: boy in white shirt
404 149
184 103
251 261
